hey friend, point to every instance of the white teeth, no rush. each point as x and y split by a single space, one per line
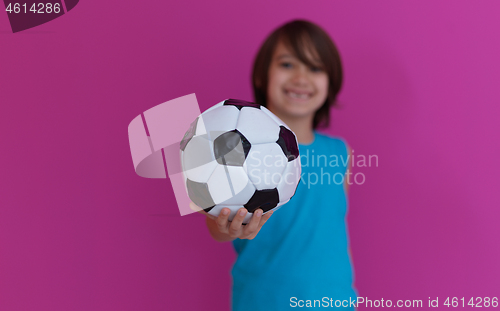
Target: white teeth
295 95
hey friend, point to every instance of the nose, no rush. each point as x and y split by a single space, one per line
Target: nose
300 75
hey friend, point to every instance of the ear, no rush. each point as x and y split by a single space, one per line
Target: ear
258 83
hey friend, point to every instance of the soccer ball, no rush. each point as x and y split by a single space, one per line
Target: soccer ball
239 154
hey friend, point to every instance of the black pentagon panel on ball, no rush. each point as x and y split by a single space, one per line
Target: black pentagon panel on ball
189 134
200 195
231 148
238 103
266 200
288 143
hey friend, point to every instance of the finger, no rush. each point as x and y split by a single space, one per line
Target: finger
207 214
235 226
194 207
264 218
221 220
253 225
198 209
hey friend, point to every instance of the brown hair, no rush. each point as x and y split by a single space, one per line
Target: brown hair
296 35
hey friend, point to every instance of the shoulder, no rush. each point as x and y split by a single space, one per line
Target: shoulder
339 144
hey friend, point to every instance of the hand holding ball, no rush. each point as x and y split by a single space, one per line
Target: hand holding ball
239 154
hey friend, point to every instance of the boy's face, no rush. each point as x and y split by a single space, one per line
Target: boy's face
295 90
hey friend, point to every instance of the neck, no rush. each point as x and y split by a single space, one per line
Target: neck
302 127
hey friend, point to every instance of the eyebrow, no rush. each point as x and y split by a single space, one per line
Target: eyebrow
286 55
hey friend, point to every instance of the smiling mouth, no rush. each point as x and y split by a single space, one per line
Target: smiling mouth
294 95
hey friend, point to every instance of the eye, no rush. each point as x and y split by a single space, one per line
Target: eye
286 65
316 69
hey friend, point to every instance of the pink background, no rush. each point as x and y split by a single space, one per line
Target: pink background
79 230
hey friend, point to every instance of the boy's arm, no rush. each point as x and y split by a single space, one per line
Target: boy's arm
223 230
346 185
347 180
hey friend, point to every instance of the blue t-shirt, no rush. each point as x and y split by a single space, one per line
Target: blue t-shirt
301 253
